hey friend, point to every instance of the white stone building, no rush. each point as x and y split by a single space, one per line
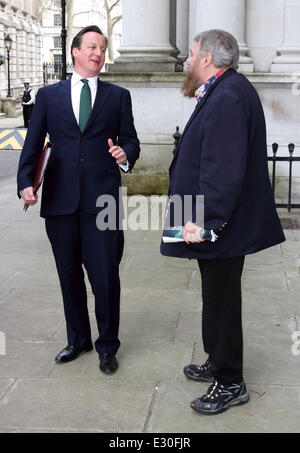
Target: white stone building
81 14
19 20
157 36
35 29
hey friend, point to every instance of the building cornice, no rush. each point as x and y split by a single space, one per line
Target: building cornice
264 79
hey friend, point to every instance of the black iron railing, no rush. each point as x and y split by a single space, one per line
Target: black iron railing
274 159
290 159
53 72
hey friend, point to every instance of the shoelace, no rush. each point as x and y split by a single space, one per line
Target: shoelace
211 393
205 366
216 389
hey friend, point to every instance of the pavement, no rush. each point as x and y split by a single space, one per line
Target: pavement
160 332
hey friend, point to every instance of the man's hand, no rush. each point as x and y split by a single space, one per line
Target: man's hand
117 152
191 233
28 196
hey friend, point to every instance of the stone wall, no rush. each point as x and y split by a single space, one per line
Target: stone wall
158 107
19 20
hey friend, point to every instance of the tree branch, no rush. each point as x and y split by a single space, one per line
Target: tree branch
115 20
113 5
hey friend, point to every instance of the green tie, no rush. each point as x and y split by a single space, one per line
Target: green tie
85 104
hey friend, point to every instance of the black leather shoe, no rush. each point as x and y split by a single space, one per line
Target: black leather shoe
71 353
108 363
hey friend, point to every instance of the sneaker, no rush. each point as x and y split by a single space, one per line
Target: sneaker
201 373
220 397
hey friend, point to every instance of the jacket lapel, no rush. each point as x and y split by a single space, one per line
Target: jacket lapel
199 107
103 93
67 100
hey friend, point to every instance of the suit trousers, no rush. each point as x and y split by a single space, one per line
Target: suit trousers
222 316
76 242
27 111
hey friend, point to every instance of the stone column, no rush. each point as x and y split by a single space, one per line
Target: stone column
39 74
182 29
145 38
31 71
18 28
264 31
37 65
13 60
228 15
289 58
23 50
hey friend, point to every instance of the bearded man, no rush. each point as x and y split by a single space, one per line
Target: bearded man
222 154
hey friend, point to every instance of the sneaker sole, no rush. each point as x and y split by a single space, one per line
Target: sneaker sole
243 399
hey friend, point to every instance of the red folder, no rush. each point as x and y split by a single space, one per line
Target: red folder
41 169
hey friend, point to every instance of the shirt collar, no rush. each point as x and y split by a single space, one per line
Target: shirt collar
202 90
76 78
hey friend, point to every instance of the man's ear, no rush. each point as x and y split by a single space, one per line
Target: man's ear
75 52
208 59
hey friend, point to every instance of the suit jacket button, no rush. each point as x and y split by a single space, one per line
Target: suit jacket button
82 159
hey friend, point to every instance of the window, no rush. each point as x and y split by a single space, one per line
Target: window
57 63
57 42
57 20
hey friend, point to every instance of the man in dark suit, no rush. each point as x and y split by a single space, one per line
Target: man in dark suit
222 155
84 117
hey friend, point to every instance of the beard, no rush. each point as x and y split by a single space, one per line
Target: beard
189 85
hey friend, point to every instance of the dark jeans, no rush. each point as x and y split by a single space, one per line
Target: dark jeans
221 317
75 242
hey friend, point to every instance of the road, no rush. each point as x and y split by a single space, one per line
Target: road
9 159
8 164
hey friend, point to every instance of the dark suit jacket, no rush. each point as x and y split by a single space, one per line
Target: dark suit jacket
80 167
222 154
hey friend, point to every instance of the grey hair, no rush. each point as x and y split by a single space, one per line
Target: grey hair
222 45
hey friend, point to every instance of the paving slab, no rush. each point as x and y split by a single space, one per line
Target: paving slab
270 301
40 318
266 411
29 358
271 364
157 278
82 406
134 325
160 300
5 383
139 361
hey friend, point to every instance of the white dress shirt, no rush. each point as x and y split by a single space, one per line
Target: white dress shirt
76 86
